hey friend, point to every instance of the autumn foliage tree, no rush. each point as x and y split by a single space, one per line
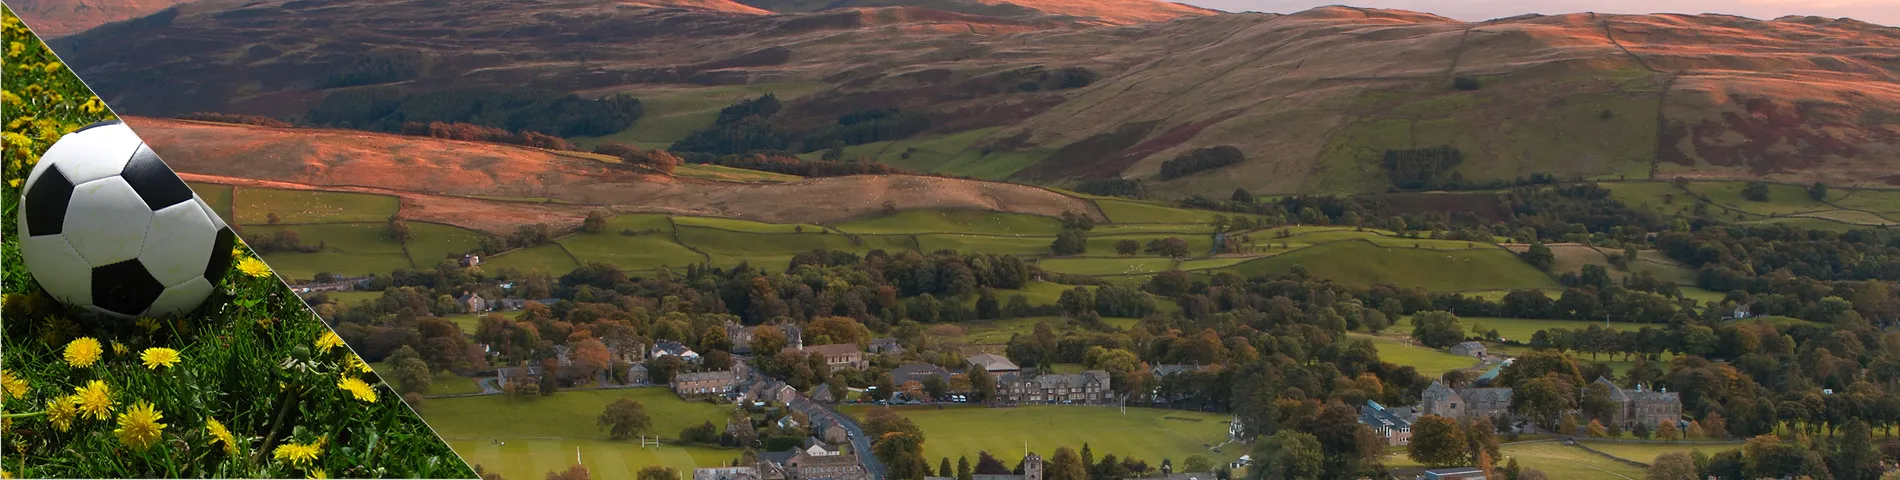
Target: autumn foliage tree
624 418
1439 442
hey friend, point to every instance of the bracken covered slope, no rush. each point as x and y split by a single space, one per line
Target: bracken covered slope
1313 98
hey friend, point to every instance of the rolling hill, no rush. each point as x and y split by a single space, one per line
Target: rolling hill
54 18
1313 99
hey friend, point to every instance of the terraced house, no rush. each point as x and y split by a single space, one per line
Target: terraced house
1643 405
1089 387
705 383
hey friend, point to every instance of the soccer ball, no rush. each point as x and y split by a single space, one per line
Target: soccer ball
106 227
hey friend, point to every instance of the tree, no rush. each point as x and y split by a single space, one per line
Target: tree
963 469
1439 442
596 222
1290 455
1755 191
1666 431
272 218
1066 464
1481 436
1818 191
983 383
1540 256
1641 430
590 356
1596 429
412 374
576 472
397 229
1127 248
943 468
1437 329
1672 466
768 341
624 418
1197 464
1858 458
1242 196
989 465
902 454
657 472
1462 82
1173 247
1071 241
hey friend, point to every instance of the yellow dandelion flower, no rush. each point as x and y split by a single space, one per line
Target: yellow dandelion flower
356 363
159 357
139 427
14 49
119 348
359 388
253 267
149 324
328 341
83 352
297 453
319 473
222 435
94 400
4 473
15 183
14 386
61 411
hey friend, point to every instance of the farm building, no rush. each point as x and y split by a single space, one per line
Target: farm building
1464 403
1468 349
841 355
886 346
996 364
1394 424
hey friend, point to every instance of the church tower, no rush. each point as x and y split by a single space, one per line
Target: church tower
1032 467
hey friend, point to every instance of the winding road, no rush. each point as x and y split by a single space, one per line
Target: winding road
860 443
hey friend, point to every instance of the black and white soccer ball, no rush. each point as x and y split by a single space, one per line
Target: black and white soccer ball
106 227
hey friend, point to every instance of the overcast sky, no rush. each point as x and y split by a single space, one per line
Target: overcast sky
1886 12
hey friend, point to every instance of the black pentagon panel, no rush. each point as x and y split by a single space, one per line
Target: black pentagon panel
220 256
154 181
124 287
46 202
102 123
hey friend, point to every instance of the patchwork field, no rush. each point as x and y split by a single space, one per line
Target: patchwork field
1363 262
1845 208
1429 362
1163 434
253 206
546 434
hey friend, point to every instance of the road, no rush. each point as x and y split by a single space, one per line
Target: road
860 444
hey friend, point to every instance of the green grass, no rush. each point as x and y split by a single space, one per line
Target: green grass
1879 201
1107 265
253 206
1362 263
636 252
1521 329
952 154
1104 245
550 258
445 382
230 349
1163 434
348 249
956 221
542 435
1559 461
672 113
1429 362
431 243
967 243
774 251
1782 199
1121 210
215 195
1170 228
745 226
1647 452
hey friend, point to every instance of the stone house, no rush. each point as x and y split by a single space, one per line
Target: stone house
997 365
726 473
741 337
472 302
799 464
529 376
840 355
918 372
1464 403
637 373
1395 425
1643 405
822 394
1089 387
511 304
705 383
1468 349
471 260
677 349
886 346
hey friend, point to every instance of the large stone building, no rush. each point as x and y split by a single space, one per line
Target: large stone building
705 383
726 473
811 463
741 337
996 364
1642 405
840 355
1464 403
1393 424
1088 387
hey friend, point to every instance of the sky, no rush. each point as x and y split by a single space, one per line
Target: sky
1885 12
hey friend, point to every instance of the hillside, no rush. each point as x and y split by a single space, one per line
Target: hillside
1106 12
494 187
55 18
1313 100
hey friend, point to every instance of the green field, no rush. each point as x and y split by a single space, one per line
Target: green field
1559 461
551 258
1163 434
1782 199
1521 329
952 154
774 251
1647 452
1121 210
1107 265
542 435
745 226
431 243
956 221
632 253
253 206
1429 362
1878 201
348 249
672 113
1001 245
217 196
1363 263
445 383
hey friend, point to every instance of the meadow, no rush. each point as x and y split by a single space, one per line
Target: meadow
1428 361
1144 433
545 434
